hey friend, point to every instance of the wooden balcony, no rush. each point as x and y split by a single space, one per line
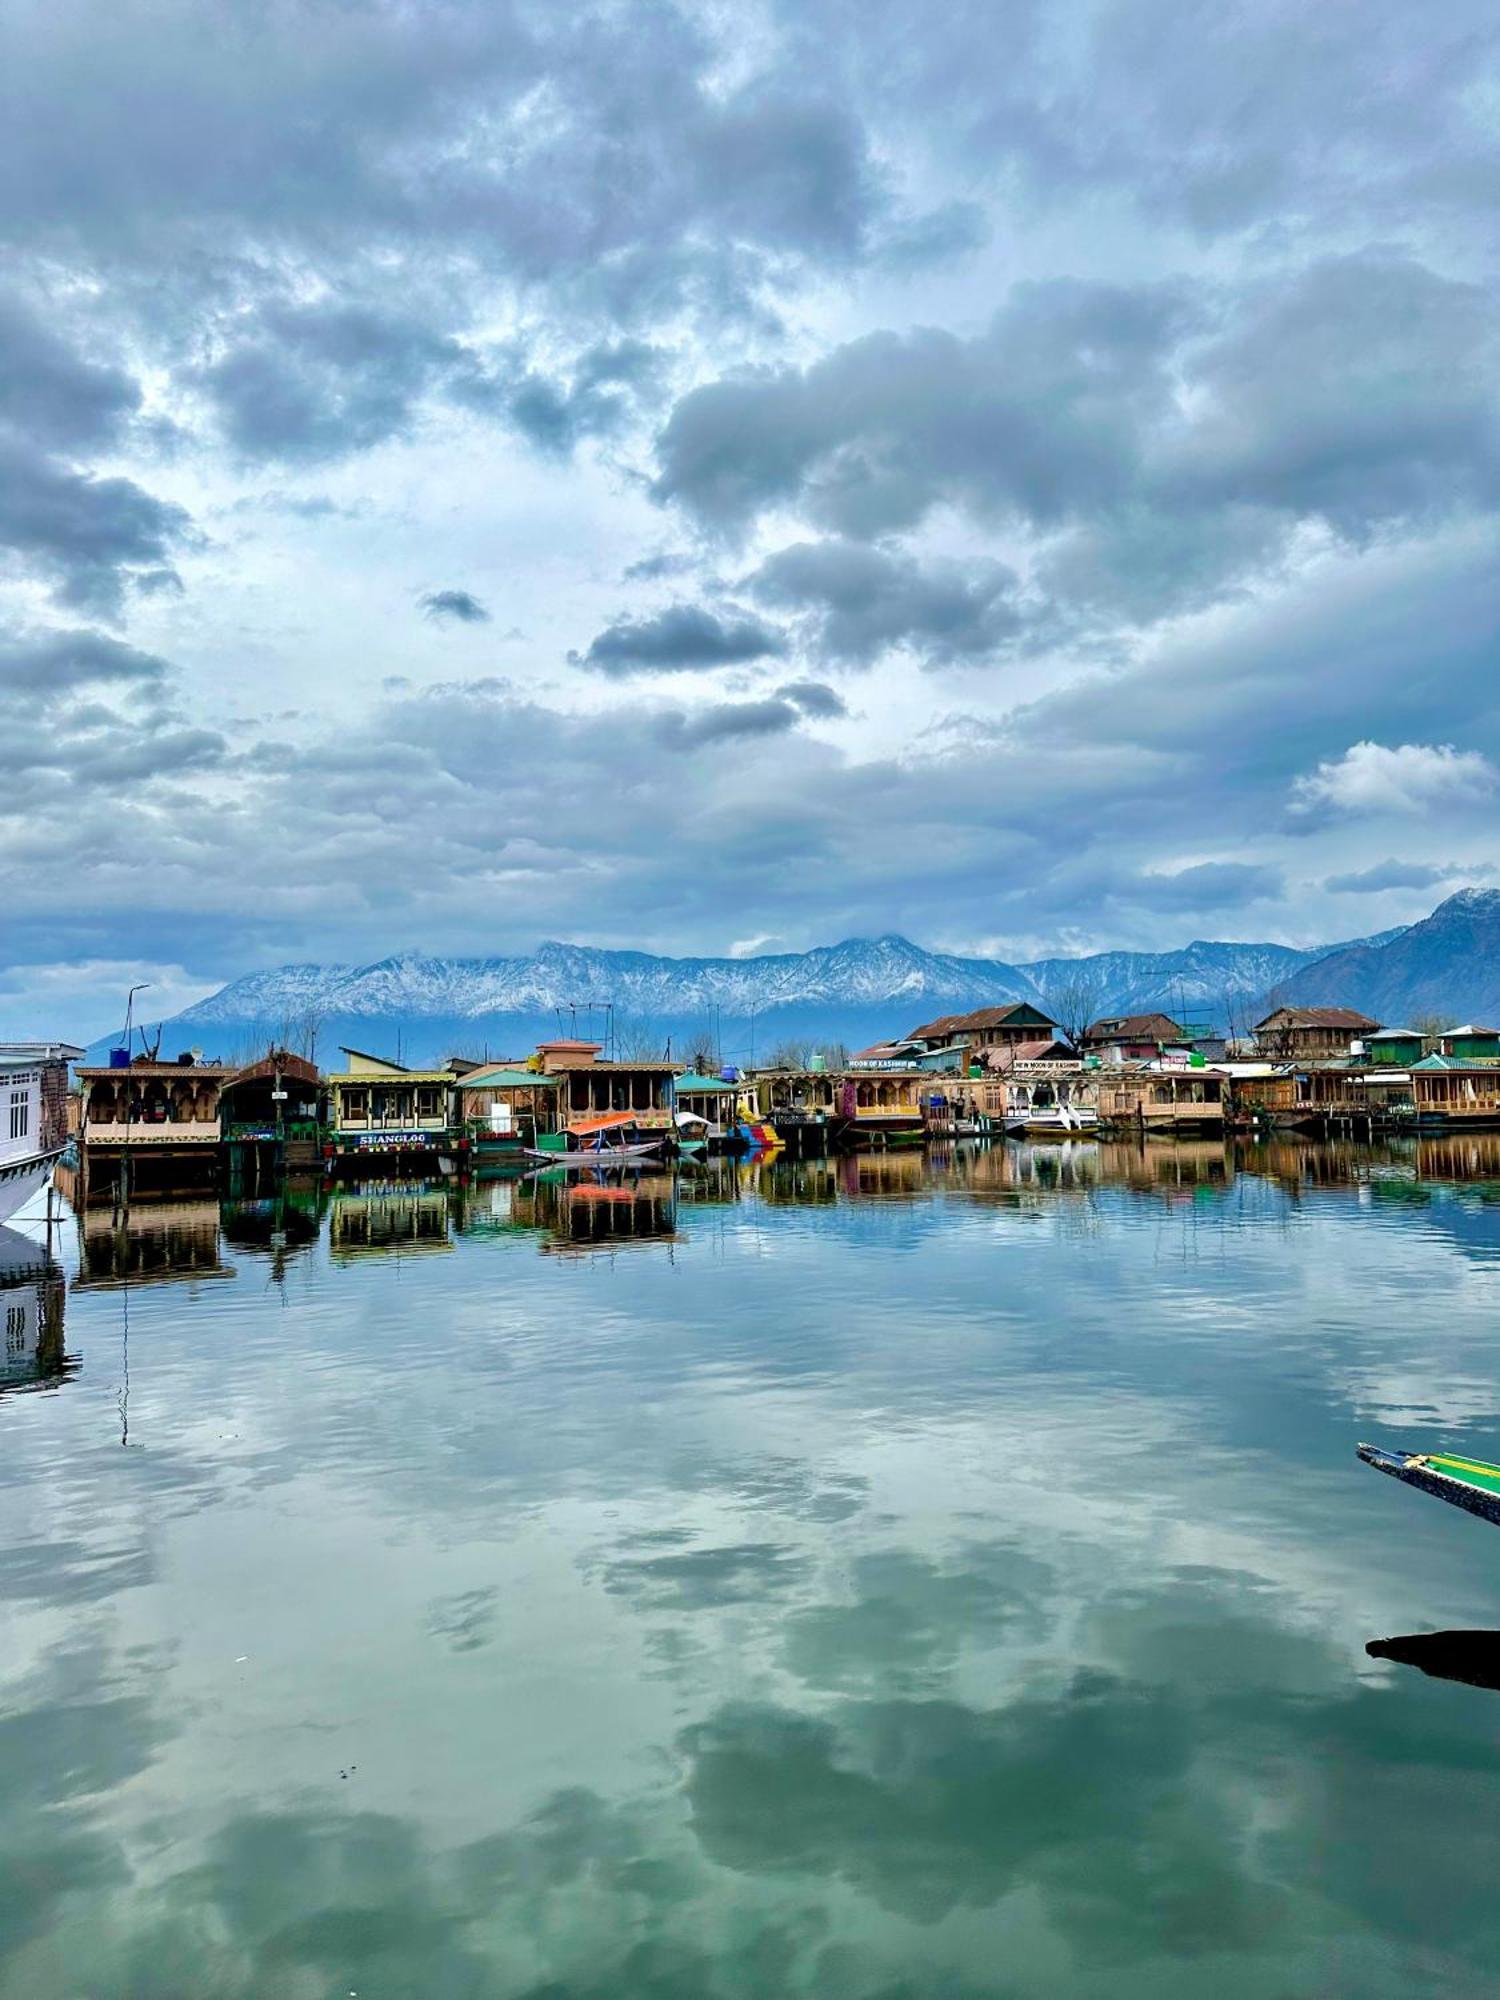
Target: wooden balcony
154 1132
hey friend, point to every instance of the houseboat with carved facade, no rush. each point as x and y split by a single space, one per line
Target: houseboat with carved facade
148 1124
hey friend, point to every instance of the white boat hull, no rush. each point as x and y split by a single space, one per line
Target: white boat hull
1059 1122
21 1179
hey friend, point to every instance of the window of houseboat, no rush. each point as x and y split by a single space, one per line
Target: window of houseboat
356 1106
427 1100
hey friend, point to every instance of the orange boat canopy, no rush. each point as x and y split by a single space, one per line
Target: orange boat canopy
613 1121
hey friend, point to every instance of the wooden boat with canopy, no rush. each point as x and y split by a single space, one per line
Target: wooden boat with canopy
599 1142
1463 1482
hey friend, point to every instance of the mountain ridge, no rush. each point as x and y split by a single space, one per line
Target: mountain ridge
856 990
1447 963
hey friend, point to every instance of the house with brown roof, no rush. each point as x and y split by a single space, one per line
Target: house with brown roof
987 1033
1132 1037
1310 1034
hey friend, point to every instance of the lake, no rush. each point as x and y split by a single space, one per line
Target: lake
884 1578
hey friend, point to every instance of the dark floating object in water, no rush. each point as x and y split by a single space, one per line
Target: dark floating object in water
1472 1657
1463 1482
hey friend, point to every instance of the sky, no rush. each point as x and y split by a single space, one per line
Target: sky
701 478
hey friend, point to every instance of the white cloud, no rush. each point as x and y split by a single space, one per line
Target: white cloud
1372 778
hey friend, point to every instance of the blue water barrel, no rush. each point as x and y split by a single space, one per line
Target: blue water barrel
729 1074
119 1058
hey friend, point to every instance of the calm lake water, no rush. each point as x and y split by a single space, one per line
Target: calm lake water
883 1578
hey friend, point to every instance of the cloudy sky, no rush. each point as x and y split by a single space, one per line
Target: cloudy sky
1025 476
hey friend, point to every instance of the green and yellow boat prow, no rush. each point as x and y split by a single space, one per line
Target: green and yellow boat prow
1463 1482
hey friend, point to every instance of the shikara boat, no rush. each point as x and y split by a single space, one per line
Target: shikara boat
601 1142
1463 1482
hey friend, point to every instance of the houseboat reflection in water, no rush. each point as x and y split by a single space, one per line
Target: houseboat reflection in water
584 1212
388 1218
154 1241
33 1293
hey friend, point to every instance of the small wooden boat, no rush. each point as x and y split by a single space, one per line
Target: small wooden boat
601 1141
596 1156
1463 1482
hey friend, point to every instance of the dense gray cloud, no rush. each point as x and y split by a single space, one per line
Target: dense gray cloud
46 662
1395 874
682 639
317 382
721 721
87 536
52 394
861 601
1040 416
814 698
1159 448
84 534
460 606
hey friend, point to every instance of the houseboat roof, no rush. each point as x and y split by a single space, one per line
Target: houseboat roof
392 1075
1490 1063
1321 1017
506 1077
979 1019
1469 1029
1407 1034
692 1083
38 1052
1135 1028
279 1062
141 1067
581 1060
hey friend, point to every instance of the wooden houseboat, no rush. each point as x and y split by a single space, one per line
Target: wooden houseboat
150 1125
1050 1097
804 1107
1451 1094
271 1117
885 1107
505 1108
590 1088
393 1118
1161 1097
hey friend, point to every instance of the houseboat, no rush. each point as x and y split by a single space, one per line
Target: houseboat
33 1117
271 1118
1162 1097
147 1124
884 1105
1050 1099
1451 1094
632 1102
392 1119
506 1107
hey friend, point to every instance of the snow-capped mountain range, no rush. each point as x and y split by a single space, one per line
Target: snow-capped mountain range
855 992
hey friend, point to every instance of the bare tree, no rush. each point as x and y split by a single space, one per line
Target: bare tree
790 1054
1431 1026
299 1032
1073 999
699 1053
